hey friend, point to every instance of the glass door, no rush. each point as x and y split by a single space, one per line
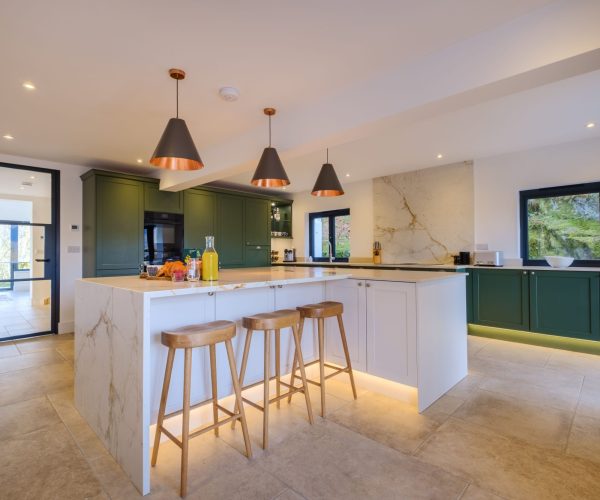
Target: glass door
28 252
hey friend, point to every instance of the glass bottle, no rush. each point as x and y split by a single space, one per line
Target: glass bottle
210 261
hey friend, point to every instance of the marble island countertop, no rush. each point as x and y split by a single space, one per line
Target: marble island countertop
233 279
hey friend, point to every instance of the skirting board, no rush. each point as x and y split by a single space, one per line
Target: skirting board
540 339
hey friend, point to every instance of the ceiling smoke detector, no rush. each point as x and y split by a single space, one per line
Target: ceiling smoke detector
229 94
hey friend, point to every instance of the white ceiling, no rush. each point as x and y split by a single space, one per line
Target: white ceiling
345 73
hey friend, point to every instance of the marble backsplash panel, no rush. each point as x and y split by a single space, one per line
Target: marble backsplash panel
425 216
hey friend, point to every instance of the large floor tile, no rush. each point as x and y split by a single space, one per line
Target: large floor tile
34 382
474 492
45 464
394 423
584 364
26 416
515 353
546 427
331 462
475 344
589 400
30 360
584 440
508 466
564 397
44 342
8 349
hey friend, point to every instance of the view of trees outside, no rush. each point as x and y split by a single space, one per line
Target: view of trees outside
342 236
23 251
4 255
568 226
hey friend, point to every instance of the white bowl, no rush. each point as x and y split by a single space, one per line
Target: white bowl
560 262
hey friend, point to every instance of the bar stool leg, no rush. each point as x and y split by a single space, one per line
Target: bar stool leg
213 379
321 323
238 397
243 368
302 373
278 364
186 420
266 389
163 404
346 353
295 362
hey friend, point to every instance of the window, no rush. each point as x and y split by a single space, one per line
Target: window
329 228
561 221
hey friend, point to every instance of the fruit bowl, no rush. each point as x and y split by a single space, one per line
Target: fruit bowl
559 262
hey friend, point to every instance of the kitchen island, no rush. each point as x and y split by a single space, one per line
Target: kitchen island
405 326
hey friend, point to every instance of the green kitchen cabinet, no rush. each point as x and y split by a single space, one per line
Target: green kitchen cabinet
113 225
469 289
565 303
156 200
199 217
257 256
501 298
230 240
257 222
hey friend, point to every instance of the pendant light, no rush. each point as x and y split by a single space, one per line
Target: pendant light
270 171
327 183
176 149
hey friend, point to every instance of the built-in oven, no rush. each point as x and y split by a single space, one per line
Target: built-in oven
163 237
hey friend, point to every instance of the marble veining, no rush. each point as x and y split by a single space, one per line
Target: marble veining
425 216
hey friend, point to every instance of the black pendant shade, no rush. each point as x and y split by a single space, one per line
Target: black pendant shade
176 149
327 183
270 171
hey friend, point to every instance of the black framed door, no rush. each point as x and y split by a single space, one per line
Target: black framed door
29 251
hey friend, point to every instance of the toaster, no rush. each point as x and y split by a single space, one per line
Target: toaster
493 258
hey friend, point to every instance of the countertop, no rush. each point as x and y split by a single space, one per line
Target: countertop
234 279
433 267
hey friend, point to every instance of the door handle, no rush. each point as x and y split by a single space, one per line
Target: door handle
367 285
359 283
42 260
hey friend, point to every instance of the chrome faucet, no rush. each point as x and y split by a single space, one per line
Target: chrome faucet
330 251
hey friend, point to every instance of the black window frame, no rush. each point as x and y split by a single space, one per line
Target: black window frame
331 214
549 192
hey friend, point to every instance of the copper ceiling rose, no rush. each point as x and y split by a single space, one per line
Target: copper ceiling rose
176 149
270 172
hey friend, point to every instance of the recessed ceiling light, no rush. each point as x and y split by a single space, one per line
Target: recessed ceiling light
347 175
591 125
139 160
32 177
440 156
28 85
229 94
8 137
21 187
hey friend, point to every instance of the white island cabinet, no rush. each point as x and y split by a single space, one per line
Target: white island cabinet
413 333
120 361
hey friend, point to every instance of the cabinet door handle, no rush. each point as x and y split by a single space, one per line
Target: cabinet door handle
367 285
279 286
524 272
532 273
359 283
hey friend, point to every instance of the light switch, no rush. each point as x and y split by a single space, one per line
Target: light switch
73 249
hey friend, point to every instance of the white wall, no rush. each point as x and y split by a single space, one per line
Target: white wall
70 213
358 198
499 179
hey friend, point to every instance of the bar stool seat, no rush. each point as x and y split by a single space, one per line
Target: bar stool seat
320 312
274 322
188 338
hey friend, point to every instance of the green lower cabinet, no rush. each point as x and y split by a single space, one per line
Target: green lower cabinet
501 298
565 303
230 241
199 218
156 200
258 256
469 288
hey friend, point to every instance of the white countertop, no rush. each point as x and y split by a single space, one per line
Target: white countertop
233 279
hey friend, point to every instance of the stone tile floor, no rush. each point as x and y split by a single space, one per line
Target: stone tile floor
18 316
524 424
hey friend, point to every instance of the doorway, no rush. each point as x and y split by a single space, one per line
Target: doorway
29 251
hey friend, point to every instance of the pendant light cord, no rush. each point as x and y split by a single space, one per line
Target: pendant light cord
269 130
327 155
177 97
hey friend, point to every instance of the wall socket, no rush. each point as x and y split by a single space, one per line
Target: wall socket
481 246
73 249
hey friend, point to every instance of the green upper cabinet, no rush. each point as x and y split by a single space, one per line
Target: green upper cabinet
119 221
230 240
281 219
199 217
501 298
156 200
565 303
256 222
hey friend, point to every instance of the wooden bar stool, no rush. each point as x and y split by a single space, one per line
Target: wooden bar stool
188 338
274 322
321 311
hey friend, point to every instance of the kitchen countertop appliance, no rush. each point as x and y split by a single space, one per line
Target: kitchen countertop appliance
490 258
